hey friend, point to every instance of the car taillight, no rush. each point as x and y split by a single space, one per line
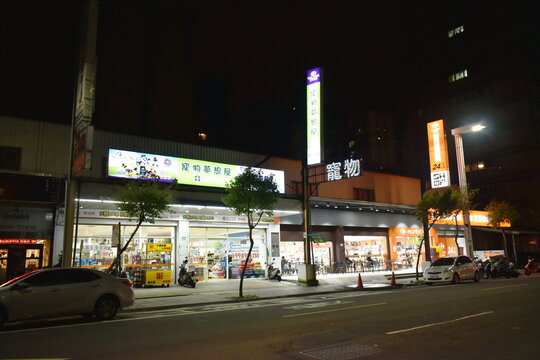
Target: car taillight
127 283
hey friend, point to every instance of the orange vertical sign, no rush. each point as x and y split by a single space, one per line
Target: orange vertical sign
438 155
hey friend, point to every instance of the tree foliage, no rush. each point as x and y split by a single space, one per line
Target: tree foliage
144 200
435 205
252 195
501 212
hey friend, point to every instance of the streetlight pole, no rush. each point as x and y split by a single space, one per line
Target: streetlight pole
460 158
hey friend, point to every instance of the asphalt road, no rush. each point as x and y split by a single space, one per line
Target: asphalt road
497 319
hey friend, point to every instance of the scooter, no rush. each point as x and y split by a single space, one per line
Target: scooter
530 267
273 273
186 278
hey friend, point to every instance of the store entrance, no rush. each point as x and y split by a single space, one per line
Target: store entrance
220 253
18 259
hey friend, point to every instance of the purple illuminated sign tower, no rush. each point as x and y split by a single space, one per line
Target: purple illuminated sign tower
314 116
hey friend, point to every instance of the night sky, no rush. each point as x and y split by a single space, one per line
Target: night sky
254 55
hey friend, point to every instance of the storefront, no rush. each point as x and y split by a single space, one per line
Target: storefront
215 246
357 240
220 252
366 252
25 240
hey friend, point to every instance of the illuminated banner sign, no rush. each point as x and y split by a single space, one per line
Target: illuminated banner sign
337 171
135 165
438 155
314 117
478 218
150 247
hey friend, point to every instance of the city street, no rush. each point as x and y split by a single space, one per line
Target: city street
492 318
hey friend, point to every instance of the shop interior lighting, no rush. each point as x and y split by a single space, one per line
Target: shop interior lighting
186 206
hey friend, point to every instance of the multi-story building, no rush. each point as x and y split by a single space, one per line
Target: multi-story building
370 215
479 62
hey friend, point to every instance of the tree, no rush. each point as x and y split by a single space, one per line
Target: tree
144 200
434 206
463 203
501 212
252 195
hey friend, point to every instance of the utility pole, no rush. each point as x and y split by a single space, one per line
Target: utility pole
80 159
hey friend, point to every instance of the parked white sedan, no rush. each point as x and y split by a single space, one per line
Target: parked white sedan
451 269
56 292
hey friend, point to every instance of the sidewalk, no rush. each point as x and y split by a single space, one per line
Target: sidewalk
220 291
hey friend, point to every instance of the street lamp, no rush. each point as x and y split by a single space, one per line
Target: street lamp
457 132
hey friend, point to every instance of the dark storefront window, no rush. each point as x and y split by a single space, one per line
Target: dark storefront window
364 194
10 158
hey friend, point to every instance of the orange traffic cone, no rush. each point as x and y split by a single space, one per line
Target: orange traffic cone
360 285
393 280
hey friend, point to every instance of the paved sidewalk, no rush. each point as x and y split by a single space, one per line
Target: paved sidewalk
220 291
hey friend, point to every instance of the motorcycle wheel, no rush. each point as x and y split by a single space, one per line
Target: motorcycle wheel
527 272
278 278
193 283
180 282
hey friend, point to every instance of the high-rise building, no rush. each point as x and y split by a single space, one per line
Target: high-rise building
478 61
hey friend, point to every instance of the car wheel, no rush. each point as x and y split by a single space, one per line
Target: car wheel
476 276
106 307
455 279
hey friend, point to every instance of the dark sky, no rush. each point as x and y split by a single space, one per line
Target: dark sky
261 49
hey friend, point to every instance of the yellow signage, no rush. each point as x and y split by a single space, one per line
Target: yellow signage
438 155
478 218
157 277
159 247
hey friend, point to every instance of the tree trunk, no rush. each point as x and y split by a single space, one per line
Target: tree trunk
505 244
240 290
456 237
116 260
419 254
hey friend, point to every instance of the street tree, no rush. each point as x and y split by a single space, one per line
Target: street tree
463 203
146 201
252 195
435 205
501 212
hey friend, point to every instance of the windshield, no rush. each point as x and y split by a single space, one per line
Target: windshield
443 262
17 279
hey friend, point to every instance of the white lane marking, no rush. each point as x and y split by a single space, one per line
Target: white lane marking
438 323
318 304
216 308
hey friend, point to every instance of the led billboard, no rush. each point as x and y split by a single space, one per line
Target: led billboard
438 155
136 165
314 117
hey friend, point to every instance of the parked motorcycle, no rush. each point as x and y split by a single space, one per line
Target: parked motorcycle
273 273
185 277
530 267
503 268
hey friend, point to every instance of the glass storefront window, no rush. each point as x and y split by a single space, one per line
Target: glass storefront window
366 252
405 251
94 247
220 253
292 255
443 246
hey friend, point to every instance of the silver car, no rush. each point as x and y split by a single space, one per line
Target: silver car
451 269
64 291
